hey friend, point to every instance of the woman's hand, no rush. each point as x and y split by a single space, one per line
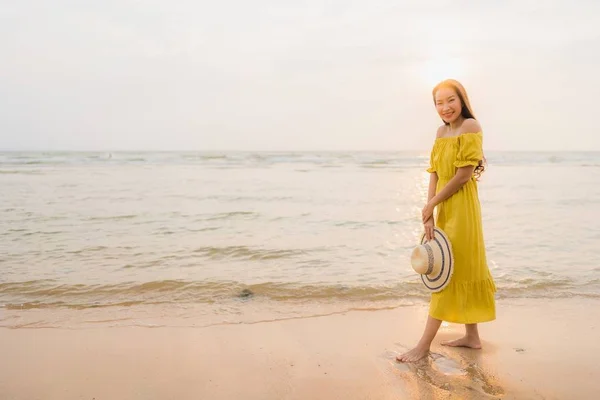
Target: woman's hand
427 212
428 225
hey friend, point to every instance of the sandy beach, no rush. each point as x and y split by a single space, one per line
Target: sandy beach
535 350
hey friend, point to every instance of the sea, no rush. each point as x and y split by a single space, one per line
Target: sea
197 239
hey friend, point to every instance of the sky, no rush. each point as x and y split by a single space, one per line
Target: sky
294 75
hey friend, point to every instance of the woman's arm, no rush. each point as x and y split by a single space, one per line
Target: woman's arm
433 177
429 223
433 180
462 176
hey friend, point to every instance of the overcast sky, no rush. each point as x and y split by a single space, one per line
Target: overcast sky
294 75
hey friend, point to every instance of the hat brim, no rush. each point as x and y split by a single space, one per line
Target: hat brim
438 282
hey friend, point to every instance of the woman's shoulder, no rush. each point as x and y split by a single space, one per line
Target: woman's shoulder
441 131
470 125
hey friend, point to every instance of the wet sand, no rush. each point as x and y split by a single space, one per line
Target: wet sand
536 349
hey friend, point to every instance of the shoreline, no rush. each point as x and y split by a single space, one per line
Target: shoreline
535 349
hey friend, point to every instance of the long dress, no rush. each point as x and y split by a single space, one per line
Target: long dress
469 297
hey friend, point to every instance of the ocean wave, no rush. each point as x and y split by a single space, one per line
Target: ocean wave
245 252
51 294
113 217
378 163
213 157
230 215
20 172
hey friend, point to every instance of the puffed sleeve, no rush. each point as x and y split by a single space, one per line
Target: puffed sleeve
470 150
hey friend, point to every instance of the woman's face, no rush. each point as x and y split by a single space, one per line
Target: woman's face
448 104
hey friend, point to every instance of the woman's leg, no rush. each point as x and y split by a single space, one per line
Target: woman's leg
424 344
471 338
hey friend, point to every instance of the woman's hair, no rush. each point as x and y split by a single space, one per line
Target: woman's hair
466 110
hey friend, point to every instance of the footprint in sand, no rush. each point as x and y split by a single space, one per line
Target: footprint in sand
442 373
390 357
441 363
446 365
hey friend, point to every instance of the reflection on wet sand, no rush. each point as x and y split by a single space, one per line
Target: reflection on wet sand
451 374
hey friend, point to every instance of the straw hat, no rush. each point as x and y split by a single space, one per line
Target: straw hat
434 261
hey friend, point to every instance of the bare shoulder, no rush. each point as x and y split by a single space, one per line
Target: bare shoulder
441 131
470 125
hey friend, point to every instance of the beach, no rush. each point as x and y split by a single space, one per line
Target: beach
284 275
534 350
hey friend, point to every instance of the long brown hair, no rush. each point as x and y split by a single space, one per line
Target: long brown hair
466 111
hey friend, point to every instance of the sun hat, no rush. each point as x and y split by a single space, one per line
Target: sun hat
433 260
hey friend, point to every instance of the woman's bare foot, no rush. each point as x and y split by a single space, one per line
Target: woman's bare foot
466 341
413 355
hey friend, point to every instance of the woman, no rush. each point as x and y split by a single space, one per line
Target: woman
456 163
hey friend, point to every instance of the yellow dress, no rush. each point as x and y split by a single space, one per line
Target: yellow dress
469 297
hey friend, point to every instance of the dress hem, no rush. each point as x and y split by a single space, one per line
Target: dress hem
462 321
